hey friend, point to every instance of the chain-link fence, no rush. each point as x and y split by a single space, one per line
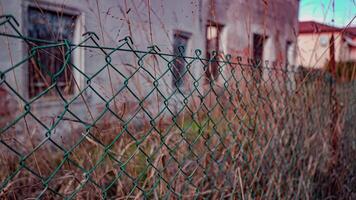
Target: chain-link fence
89 121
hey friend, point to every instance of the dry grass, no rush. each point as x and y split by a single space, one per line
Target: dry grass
244 147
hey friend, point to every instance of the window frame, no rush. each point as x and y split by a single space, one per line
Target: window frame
263 42
288 48
212 71
258 72
187 36
77 56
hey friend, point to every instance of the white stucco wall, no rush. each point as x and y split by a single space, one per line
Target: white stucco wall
313 49
117 20
112 20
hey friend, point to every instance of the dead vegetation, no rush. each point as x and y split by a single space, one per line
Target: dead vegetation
244 147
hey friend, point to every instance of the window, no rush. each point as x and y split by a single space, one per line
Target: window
49 25
213 31
288 53
180 42
258 46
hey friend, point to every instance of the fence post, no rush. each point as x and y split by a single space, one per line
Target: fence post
335 137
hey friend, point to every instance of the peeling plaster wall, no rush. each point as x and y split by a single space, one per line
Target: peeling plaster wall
113 20
276 19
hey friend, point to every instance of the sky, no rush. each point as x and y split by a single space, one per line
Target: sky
322 11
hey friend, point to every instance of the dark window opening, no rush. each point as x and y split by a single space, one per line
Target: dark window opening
287 53
180 42
49 25
213 32
258 46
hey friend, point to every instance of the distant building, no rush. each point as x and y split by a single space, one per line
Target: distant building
314 41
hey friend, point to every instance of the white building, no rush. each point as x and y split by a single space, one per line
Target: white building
259 29
314 44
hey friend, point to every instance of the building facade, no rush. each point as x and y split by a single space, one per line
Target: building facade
314 42
263 30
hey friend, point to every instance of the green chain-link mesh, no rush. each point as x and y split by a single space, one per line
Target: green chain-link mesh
254 132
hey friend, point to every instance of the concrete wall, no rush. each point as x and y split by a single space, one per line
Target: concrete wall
241 19
112 21
277 20
147 25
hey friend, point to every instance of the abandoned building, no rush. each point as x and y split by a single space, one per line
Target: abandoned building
263 30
